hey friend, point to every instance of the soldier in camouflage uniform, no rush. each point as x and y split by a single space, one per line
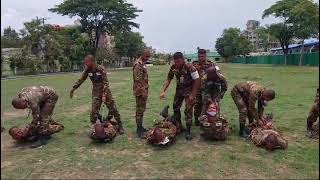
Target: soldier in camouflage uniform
213 87
245 95
188 83
41 101
312 123
100 92
140 90
202 64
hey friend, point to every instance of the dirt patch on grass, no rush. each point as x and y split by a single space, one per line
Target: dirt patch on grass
14 114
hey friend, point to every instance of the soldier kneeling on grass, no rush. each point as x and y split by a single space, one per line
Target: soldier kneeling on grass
41 101
103 130
165 131
264 134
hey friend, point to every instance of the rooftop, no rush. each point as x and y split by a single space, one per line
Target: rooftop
309 42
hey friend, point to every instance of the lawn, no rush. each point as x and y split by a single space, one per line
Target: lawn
71 154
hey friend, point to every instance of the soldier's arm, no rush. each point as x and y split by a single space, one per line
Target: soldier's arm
106 89
35 109
167 82
83 77
260 110
224 85
252 103
196 84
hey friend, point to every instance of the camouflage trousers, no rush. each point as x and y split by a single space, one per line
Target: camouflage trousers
141 103
208 95
313 114
97 102
198 104
31 132
242 106
41 126
177 103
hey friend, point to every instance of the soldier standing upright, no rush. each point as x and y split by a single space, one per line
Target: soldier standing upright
312 127
100 90
187 86
140 89
245 95
202 64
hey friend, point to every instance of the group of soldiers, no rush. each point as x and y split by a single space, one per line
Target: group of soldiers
199 84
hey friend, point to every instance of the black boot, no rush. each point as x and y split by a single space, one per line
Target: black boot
196 122
242 132
188 133
141 131
120 128
43 140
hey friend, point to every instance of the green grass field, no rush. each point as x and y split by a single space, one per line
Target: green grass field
71 154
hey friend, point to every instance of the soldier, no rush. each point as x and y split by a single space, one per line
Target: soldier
41 101
245 95
103 130
187 86
201 65
140 89
100 92
213 87
312 123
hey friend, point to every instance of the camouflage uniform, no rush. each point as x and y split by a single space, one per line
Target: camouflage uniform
201 68
162 133
245 95
183 91
41 101
140 89
314 112
313 118
259 137
100 87
110 131
212 90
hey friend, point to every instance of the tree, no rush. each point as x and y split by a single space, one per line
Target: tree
231 43
305 19
100 16
10 38
129 44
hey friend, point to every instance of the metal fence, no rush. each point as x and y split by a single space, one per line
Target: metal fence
310 59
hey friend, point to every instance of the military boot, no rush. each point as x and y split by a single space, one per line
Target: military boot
42 140
141 131
309 133
242 132
188 133
120 128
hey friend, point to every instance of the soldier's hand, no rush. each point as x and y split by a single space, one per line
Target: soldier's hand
104 99
71 93
162 95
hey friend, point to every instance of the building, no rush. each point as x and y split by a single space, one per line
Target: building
308 47
210 55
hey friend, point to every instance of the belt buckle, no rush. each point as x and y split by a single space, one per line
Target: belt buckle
218 124
206 124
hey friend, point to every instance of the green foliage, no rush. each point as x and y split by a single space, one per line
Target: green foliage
22 61
129 44
10 38
100 16
231 43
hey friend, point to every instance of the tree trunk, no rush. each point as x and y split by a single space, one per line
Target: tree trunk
285 52
301 53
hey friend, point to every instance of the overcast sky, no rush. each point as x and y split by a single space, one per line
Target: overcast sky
167 25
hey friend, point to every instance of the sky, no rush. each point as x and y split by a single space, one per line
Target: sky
167 25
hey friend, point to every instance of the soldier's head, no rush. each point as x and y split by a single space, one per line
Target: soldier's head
202 55
212 74
19 103
178 60
99 131
271 142
268 95
89 62
145 55
158 135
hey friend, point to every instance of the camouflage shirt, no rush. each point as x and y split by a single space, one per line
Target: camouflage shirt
251 93
185 78
98 77
35 96
140 78
203 67
209 86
